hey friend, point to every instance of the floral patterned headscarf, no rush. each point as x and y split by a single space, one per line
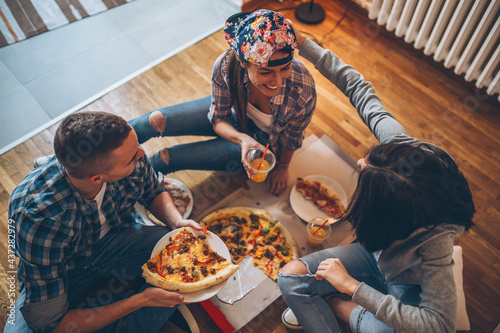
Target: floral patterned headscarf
255 36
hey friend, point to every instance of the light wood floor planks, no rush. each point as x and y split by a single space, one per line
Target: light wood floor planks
431 105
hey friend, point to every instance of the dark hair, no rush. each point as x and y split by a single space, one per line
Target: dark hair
83 140
237 91
404 188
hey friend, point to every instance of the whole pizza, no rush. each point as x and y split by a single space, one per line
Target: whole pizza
253 232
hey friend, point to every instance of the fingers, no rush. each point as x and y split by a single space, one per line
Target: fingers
277 181
334 264
246 165
189 223
276 187
160 297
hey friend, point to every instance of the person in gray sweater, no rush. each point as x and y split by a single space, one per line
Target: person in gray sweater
410 203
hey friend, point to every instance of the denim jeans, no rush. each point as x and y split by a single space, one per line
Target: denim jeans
117 260
191 118
307 297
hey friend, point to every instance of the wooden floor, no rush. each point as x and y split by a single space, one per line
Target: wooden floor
431 105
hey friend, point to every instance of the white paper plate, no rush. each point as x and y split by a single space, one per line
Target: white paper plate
216 244
306 209
183 186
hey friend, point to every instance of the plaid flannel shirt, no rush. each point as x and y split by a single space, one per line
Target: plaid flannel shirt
292 108
56 228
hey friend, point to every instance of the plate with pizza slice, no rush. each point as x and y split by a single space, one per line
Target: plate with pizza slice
181 195
187 261
318 196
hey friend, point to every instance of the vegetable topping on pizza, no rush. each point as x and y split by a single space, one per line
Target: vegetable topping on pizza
321 195
187 264
254 232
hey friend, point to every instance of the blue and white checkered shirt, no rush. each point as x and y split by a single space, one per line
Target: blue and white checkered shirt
57 229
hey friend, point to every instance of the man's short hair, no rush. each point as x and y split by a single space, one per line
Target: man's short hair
83 141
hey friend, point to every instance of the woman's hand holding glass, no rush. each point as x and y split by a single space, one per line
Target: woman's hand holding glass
247 143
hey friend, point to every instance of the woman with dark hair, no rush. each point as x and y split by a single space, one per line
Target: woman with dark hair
260 95
410 203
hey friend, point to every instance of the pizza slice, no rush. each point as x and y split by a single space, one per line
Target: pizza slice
187 264
321 195
179 196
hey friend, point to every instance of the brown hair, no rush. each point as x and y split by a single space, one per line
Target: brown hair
404 188
84 139
237 90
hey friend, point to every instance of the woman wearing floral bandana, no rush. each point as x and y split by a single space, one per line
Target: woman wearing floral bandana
260 95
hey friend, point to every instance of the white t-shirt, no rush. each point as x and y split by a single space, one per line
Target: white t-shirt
261 119
105 227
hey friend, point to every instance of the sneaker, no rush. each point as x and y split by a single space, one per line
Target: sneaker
41 160
289 319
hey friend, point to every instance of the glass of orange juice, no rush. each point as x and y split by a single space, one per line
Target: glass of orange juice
316 234
254 156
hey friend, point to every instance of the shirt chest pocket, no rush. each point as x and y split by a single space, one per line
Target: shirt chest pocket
285 117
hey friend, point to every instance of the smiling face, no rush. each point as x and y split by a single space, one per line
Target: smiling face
268 80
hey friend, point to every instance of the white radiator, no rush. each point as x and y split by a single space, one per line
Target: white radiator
465 34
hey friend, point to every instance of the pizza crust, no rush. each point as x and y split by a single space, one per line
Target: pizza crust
289 240
188 287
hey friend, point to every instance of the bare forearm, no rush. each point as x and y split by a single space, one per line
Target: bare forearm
227 131
285 156
93 319
164 209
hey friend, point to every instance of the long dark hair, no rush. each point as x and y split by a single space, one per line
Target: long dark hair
404 188
237 91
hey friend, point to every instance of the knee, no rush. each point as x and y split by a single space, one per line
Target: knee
294 268
289 280
157 121
165 156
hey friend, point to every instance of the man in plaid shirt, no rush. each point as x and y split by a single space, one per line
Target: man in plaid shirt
76 224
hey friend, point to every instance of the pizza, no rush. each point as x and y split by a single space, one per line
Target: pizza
187 264
253 232
179 196
321 195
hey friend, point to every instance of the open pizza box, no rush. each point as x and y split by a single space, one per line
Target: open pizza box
249 291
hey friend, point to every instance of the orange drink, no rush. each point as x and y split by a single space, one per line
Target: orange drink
264 168
254 157
316 234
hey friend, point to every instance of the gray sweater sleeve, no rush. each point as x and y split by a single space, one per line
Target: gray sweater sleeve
437 309
360 92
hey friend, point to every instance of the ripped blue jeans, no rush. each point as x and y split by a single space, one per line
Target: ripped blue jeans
191 118
307 297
